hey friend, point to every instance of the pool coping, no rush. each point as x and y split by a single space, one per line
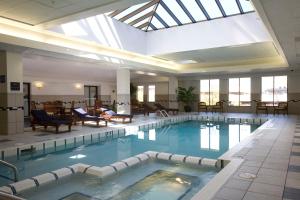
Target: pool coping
120 132
230 154
109 170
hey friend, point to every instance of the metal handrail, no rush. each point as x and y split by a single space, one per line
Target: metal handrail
11 166
163 113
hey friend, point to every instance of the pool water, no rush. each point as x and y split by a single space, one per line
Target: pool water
194 138
151 180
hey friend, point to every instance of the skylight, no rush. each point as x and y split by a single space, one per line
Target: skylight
160 14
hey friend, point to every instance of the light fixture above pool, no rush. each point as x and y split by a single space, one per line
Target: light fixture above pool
78 156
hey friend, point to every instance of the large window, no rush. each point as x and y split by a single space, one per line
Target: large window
240 91
209 91
151 93
274 89
140 93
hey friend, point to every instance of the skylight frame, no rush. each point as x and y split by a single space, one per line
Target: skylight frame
167 18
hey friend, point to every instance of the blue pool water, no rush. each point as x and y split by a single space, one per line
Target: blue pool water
194 138
152 180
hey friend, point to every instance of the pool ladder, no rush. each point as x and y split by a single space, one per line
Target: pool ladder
163 113
10 166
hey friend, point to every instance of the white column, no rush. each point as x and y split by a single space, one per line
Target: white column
173 86
11 93
123 91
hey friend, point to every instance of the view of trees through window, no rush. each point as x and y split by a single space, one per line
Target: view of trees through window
209 91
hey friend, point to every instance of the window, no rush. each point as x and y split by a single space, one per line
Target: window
90 94
151 93
140 93
274 89
209 91
240 91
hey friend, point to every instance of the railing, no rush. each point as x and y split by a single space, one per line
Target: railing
163 113
11 166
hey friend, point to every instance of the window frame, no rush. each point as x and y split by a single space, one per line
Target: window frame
273 103
209 90
239 78
137 95
149 93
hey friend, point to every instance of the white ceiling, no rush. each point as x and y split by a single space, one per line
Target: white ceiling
226 54
49 65
284 20
36 12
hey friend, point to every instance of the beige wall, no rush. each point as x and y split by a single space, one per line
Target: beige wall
293 88
66 90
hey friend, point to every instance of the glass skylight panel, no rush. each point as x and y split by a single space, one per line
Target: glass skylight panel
212 8
144 12
177 11
129 10
149 29
247 6
194 9
230 7
157 23
141 22
165 16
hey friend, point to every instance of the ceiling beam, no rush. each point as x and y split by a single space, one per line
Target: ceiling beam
148 5
142 18
162 3
161 20
240 6
186 11
221 8
203 9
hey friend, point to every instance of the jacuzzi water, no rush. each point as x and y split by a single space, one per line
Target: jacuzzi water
153 180
194 138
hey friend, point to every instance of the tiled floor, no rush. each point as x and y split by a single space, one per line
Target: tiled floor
271 167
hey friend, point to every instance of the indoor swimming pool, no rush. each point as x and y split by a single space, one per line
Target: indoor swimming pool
194 138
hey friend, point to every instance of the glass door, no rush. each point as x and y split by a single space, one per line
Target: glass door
90 94
26 98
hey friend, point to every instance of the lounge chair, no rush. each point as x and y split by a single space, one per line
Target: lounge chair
81 115
148 109
40 117
219 107
261 106
111 115
202 106
161 107
281 107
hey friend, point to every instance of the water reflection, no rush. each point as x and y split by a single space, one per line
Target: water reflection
210 137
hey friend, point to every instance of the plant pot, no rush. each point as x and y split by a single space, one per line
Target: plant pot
187 108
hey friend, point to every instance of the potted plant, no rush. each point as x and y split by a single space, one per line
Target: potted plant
187 97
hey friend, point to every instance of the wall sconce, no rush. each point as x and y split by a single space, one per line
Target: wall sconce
78 86
39 85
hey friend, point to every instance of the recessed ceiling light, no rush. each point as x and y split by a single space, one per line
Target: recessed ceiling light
187 61
151 74
140 72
